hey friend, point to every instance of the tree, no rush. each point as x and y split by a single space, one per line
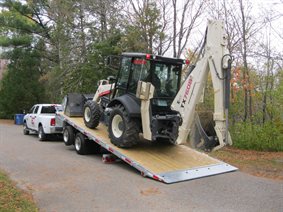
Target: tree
184 20
143 29
20 87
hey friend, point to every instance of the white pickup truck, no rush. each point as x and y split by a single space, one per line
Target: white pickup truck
41 120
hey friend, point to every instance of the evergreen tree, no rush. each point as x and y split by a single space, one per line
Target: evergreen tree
20 87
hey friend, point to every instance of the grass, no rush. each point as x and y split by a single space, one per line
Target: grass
12 198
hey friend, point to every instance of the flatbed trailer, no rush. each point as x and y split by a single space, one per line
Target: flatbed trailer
160 161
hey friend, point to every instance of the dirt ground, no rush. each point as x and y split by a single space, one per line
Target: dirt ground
7 121
261 164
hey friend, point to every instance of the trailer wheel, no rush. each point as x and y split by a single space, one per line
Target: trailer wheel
68 136
25 130
92 114
80 144
123 131
41 134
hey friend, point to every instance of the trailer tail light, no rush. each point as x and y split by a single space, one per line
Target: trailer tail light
52 122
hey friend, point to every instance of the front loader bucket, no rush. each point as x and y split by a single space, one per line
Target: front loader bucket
74 104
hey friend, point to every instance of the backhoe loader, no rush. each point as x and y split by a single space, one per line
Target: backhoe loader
148 98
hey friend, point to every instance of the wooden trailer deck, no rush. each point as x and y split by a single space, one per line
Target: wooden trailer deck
161 161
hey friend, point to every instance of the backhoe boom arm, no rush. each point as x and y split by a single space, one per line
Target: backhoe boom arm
217 60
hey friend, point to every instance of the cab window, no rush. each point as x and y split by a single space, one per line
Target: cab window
140 71
36 110
124 73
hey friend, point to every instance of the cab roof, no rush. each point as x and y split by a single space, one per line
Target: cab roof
154 57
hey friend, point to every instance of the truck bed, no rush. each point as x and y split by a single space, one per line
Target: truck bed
161 161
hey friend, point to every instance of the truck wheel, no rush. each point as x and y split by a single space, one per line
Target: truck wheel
92 114
80 144
68 136
123 131
25 130
41 134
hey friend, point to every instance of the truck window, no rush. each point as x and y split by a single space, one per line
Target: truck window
59 108
48 109
35 110
31 110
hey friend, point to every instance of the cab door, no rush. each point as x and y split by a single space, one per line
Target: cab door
35 117
32 118
28 118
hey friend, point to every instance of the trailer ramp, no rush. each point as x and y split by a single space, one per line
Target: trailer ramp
163 162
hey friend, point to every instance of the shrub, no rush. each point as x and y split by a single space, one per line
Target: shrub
263 138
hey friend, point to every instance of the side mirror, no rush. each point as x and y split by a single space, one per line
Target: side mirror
111 78
113 61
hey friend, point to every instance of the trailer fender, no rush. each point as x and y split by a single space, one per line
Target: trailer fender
131 105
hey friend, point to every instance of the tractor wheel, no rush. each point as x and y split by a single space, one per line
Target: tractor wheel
123 131
92 114
41 135
80 144
25 130
68 136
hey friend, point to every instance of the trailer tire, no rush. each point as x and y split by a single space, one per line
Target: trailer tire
41 135
92 114
25 130
80 144
123 131
68 136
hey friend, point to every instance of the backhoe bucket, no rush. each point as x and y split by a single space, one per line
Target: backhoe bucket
203 135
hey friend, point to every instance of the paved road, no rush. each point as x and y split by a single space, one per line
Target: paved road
61 180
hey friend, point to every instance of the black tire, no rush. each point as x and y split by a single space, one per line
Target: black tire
81 145
68 136
123 131
41 135
25 130
92 114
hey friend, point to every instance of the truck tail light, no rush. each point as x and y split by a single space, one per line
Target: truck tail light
52 122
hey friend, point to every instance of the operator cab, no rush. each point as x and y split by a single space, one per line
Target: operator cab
162 72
